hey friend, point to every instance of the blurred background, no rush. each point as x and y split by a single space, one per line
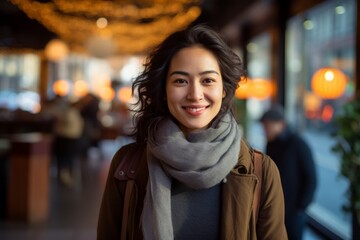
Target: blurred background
66 69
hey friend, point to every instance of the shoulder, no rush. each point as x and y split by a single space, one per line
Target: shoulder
295 137
300 144
267 165
123 150
245 162
249 155
131 149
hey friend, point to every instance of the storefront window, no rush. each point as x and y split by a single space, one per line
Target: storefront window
19 82
322 37
259 72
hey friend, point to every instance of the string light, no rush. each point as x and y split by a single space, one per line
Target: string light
102 23
134 29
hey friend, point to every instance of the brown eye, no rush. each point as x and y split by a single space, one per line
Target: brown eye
180 81
208 80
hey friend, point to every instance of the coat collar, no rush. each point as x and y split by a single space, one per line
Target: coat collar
244 165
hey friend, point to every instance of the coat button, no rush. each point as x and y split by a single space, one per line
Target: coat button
121 173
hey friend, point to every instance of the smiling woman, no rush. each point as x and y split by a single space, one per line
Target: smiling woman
190 171
194 88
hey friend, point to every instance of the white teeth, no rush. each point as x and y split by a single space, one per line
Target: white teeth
195 109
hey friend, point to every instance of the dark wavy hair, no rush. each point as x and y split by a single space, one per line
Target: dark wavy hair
151 106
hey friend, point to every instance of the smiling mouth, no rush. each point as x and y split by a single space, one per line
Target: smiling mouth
194 109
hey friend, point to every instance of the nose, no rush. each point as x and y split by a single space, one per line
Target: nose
195 92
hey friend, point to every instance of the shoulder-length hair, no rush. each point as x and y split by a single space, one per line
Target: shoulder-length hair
150 84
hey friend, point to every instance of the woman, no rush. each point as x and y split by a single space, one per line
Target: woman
194 177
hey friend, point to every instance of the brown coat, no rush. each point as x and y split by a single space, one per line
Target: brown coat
238 222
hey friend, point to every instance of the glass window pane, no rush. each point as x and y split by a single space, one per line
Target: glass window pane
322 37
19 82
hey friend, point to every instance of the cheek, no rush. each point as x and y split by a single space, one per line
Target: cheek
172 97
217 95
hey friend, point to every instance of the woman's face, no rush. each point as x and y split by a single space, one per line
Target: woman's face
194 88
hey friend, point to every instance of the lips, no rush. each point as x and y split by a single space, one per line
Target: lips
195 110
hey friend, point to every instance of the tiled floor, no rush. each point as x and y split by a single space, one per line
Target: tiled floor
73 211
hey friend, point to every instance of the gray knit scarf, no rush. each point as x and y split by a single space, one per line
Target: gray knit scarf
200 161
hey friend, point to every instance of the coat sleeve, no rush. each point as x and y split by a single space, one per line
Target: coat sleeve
271 220
110 215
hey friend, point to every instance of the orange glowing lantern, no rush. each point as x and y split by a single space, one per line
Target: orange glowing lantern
124 94
61 87
329 83
261 88
257 88
327 113
243 91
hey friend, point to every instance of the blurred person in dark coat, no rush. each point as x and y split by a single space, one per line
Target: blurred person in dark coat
294 159
88 106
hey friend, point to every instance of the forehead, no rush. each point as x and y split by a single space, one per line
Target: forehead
194 56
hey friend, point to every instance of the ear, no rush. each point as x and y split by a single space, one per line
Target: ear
224 93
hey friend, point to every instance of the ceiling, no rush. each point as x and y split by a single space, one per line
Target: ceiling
229 17
19 31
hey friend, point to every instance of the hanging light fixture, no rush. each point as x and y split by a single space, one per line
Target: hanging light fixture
329 83
56 50
243 91
261 88
257 88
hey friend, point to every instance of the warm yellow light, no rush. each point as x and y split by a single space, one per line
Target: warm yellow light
106 93
312 102
329 83
124 94
261 88
73 21
255 88
243 91
329 75
61 87
80 88
102 23
56 50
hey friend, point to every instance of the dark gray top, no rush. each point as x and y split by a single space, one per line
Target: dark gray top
195 213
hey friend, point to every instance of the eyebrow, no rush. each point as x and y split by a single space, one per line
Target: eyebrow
187 74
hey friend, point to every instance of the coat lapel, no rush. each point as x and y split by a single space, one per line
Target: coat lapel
237 198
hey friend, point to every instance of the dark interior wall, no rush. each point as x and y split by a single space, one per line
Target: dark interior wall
357 54
19 31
